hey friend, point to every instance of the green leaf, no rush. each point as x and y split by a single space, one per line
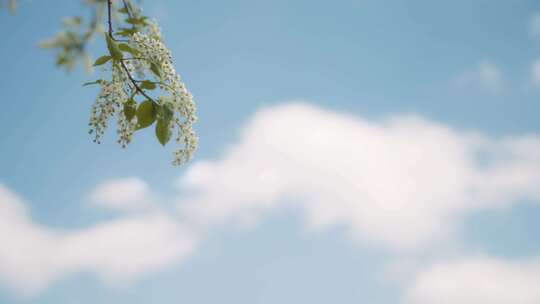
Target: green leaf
102 60
130 109
165 112
123 10
116 54
148 85
126 48
134 21
12 6
146 114
125 32
92 82
61 59
164 120
72 21
163 132
155 69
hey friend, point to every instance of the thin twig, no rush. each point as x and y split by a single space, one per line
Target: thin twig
109 9
128 8
109 5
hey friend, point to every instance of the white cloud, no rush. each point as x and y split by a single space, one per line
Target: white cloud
485 75
122 194
33 256
401 183
477 280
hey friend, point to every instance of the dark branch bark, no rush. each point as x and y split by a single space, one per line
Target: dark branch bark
135 85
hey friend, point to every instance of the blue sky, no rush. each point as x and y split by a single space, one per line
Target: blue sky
350 151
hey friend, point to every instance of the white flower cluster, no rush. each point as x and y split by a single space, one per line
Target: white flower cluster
152 49
153 61
154 31
111 100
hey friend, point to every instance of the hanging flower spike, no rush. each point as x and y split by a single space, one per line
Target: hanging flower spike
141 67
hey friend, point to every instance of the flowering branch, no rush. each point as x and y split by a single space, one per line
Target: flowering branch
166 103
109 9
134 82
172 111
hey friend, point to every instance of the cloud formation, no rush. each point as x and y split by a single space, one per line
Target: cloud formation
123 194
400 183
477 280
33 256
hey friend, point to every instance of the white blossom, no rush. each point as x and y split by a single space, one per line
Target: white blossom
179 99
153 62
154 31
106 105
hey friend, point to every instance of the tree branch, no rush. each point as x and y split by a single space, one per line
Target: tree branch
135 85
109 8
128 8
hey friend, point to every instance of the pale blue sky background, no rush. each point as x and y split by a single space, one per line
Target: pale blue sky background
367 57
